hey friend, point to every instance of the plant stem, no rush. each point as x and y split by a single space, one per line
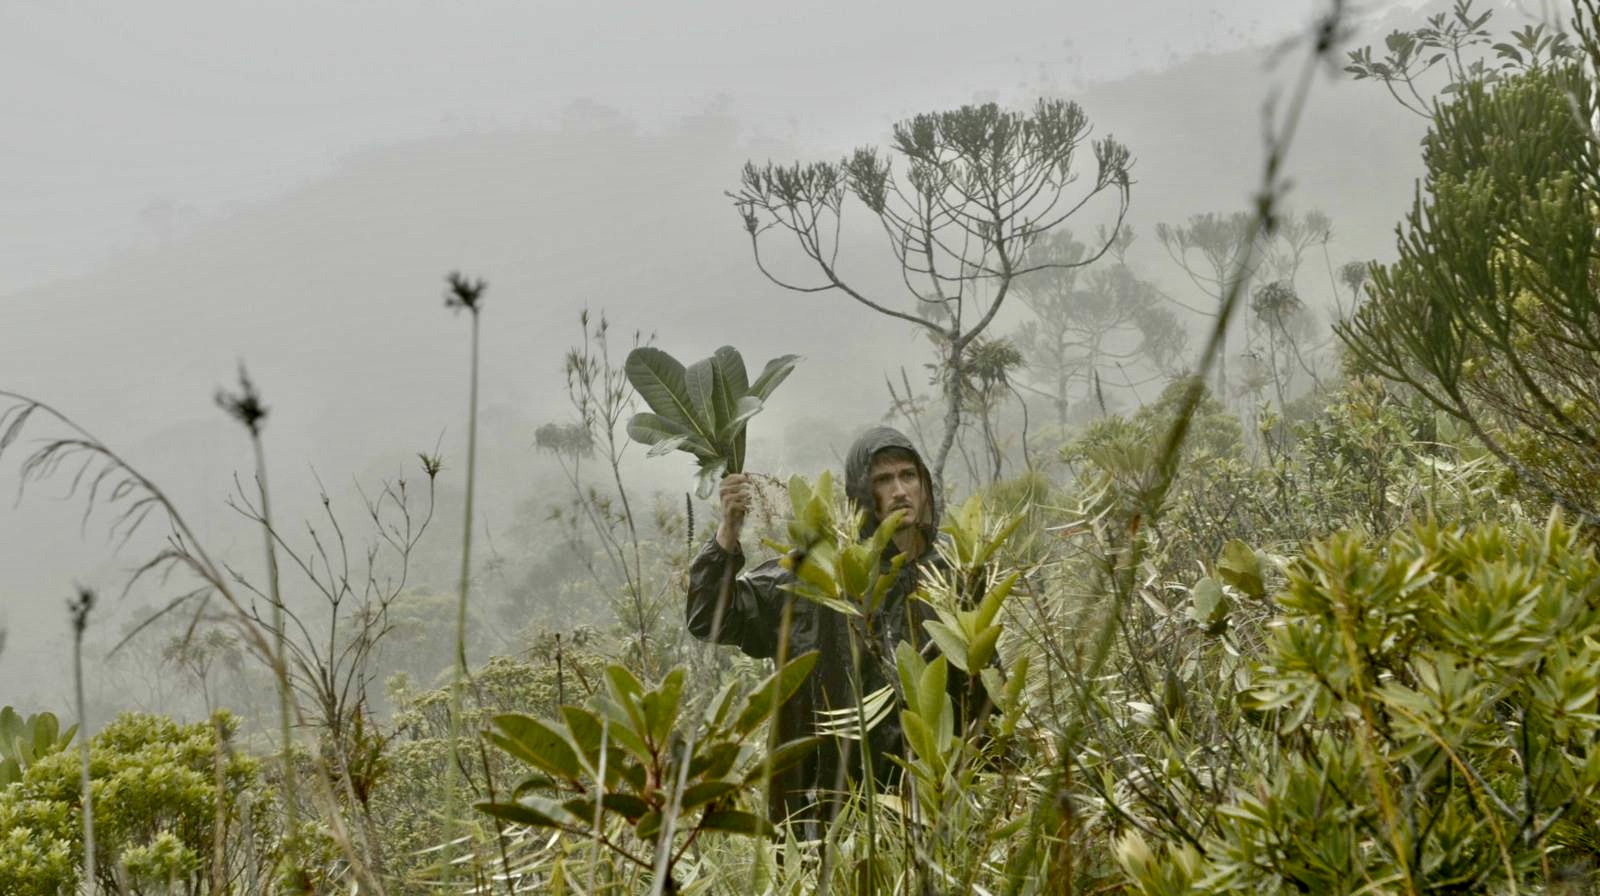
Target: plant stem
461 672
280 660
80 619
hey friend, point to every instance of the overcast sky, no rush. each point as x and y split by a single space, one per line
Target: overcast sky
132 127
122 120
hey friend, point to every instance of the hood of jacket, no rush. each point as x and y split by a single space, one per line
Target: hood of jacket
858 480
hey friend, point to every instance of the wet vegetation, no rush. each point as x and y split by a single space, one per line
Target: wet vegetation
1320 614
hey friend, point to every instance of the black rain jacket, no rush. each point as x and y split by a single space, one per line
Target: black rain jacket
753 621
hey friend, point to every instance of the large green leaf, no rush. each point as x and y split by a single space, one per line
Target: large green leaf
700 379
717 711
537 744
662 382
587 732
776 371
782 758
930 695
703 408
736 822
10 730
778 687
706 792
731 364
654 430
45 729
622 731
743 409
648 826
625 804
660 707
729 385
535 812
952 644
1240 566
715 760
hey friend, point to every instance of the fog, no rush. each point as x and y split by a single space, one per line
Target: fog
190 186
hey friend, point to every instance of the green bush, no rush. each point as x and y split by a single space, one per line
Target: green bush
154 783
1429 707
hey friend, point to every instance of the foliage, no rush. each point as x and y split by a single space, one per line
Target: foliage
1489 310
602 396
703 409
24 741
1087 321
174 808
1211 655
633 758
978 187
1455 41
1428 712
556 668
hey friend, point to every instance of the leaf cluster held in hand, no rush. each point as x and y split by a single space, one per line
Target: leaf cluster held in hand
703 408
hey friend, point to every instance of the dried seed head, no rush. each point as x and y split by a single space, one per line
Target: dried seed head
464 292
245 405
431 463
78 608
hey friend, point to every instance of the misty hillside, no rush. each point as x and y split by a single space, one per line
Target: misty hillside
332 292
400 532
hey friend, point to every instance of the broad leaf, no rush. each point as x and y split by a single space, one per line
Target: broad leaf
706 792
648 826
783 758
10 728
533 782
714 761
731 364
654 429
990 607
700 378
774 691
587 731
666 446
982 649
930 694
737 822
663 383
743 409
1207 604
776 371
951 643
661 707
624 730
1240 567
727 387
534 812
536 744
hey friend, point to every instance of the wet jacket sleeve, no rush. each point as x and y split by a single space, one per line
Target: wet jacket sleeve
754 614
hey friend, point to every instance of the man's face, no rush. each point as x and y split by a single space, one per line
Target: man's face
897 485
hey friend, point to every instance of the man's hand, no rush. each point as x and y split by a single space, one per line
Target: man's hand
737 494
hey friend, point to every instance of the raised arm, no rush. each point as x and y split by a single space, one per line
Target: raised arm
752 604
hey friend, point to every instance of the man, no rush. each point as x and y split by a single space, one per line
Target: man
883 474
